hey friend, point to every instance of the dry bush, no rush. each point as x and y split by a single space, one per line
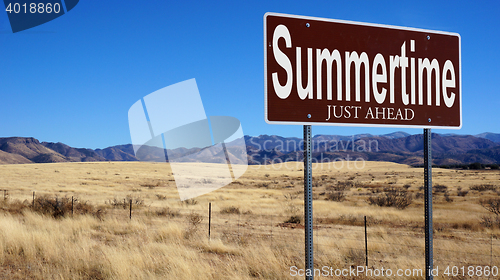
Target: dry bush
194 220
116 203
230 210
264 185
55 207
343 186
295 219
190 201
490 222
338 196
462 193
483 187
161 196
125 203
337 192
290 206
467 225
355 257
82 207
350 220
438 188
492 205
168 212
149 186
60 207
14 206
447 197
137 201
392 197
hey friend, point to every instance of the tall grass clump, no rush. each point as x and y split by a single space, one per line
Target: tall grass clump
392 197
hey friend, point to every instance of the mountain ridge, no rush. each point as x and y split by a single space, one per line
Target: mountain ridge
400 147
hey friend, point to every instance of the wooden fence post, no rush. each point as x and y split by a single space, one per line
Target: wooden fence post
131 209
209 218
366 245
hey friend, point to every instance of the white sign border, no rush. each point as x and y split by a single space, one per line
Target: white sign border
363 24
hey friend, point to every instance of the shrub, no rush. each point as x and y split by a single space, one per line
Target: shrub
125 203
392 197
295 219
490 222
345 185
161 196
354 257
14 206
60 207
492 205
264 185
475 166
440 188
462 193
190 201
350 220
167 212
447 197
483 187
149 186
230 210
342 186
290 206
194 220
338 196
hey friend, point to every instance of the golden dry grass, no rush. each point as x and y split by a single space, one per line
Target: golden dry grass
164 240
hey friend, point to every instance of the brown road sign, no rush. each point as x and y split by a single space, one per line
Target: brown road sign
331 72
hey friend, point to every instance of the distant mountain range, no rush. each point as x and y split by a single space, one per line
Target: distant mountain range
400 147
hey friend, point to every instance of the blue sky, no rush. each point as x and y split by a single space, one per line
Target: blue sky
73 79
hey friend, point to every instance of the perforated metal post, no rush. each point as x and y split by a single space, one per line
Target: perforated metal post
428 203
308 207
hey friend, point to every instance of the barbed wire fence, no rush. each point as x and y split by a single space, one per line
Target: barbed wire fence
376 247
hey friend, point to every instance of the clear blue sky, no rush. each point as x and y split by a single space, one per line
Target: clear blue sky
73 79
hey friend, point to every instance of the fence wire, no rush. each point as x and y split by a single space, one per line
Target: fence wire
382 242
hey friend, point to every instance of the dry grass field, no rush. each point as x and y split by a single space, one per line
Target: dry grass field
256 230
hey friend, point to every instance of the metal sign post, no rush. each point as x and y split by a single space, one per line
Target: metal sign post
308 207
428 203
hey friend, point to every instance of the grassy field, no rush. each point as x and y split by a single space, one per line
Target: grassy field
256 230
